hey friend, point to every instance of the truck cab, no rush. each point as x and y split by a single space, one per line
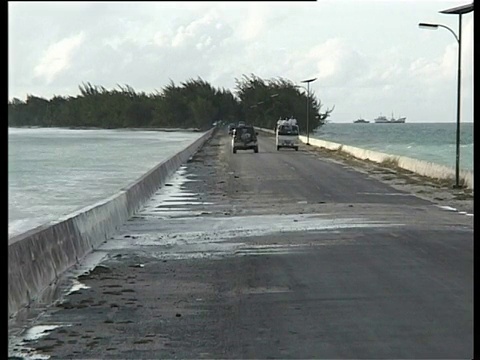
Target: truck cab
286 134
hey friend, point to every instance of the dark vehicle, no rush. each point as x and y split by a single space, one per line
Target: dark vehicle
231 127
244 138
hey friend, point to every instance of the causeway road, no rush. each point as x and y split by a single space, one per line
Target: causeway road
279 254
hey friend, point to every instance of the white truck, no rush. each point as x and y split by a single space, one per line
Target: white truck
286 134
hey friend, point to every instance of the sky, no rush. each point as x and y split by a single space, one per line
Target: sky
370 57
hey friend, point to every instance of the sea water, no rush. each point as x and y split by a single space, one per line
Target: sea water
433 142
53 172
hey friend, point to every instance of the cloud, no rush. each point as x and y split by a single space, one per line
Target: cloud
334 62
437 69
439 74
189 50
467 58
58 57
195 33
253 25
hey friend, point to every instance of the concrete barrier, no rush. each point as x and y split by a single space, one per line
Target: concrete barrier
38 257
424 168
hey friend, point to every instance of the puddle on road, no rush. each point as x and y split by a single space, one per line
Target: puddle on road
172 213
18 346
169 202
449 208
214 228
265 290
39 331
214 237
170 229
452 209
171 198
76 286
165 208
185 195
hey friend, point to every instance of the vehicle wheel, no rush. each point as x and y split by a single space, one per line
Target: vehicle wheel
255 149
278 148
296 148
234 150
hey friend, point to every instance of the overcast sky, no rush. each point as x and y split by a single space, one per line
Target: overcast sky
370 58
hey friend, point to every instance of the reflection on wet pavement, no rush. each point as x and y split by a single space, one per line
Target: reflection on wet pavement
166 231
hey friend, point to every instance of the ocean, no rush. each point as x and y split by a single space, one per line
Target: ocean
53 172
434 142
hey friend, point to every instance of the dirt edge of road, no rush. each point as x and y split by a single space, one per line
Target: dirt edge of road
438 191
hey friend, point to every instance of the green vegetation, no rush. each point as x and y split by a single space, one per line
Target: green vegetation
193 104
391 162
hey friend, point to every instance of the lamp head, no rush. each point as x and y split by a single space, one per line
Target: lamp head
309 80
428 26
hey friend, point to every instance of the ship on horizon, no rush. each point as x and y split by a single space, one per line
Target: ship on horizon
383 120
361 121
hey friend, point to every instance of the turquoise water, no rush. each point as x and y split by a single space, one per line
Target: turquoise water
434 142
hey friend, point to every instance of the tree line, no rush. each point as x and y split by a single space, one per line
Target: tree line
192 104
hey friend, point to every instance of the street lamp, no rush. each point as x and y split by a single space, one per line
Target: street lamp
272 108
459 11
308 103
262 102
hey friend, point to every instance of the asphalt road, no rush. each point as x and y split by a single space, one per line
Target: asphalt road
280 254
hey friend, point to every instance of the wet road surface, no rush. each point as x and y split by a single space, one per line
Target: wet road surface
279 254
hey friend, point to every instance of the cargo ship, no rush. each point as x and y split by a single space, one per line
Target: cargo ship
383 120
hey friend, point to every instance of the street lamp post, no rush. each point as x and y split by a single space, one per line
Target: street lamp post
262 102
272 107
459 72
308 103
459 11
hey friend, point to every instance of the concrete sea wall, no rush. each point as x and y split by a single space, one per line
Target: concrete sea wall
424 168
38 257
420 167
